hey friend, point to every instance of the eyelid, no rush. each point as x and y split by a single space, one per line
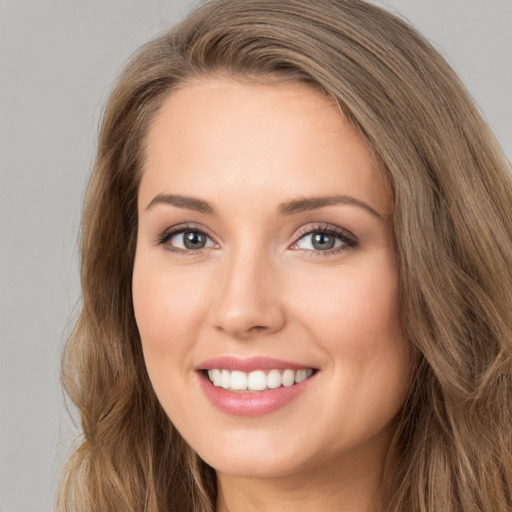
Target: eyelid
349 239
171 231
324 226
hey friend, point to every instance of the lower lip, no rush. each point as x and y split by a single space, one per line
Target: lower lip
251 404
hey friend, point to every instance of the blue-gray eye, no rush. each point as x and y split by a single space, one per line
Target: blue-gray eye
322 241
190 240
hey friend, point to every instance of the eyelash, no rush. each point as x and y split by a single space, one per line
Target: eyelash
349 241
176 230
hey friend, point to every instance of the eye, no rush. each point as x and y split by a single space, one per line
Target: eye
325 239
190 240
186 239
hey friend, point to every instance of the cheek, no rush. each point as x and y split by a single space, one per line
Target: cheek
167 309
357 310
355 319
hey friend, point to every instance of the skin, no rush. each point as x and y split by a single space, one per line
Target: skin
260 287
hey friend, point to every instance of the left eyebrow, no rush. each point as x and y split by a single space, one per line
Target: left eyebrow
313 203
186 202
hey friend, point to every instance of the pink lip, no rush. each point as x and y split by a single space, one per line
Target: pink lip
248 365
250 404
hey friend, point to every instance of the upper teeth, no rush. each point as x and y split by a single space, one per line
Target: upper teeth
257 380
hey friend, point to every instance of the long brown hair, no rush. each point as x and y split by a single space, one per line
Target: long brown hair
452 193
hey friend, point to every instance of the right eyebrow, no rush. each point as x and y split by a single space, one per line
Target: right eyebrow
314 203
186 202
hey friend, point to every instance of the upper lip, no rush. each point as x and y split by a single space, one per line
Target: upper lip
249 364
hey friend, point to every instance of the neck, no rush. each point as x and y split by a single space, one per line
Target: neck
350 485
272 497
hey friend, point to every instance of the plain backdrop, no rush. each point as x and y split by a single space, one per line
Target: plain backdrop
58 61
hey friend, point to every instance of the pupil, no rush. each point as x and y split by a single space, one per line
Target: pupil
323 241
194 240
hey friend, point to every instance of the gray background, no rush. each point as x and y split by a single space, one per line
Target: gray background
58 60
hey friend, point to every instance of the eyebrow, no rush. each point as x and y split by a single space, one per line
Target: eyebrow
313 203
289 208
186 202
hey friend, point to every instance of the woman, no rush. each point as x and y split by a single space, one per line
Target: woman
296 272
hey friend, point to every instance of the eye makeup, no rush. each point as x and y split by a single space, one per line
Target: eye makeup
326 240
195 239
319 239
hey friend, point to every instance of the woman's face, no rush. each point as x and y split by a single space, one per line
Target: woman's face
265 260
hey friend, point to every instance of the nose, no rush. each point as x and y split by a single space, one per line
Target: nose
248 300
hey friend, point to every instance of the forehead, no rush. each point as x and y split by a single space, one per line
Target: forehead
218 136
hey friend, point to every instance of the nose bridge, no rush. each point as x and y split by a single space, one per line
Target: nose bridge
248 300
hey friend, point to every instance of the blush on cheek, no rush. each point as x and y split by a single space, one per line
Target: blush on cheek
357 316
149 314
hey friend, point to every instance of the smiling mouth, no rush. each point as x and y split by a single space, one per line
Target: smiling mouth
257 381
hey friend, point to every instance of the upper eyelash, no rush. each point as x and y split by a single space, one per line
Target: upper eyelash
170 232
348 238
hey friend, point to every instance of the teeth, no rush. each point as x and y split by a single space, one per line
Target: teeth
257 380
274 379
288 378
215 377
225 379
301 375
238 380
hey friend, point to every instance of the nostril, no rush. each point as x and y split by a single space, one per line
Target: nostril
243 314
251 330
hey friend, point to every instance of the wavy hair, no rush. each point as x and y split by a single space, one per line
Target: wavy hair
452 194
